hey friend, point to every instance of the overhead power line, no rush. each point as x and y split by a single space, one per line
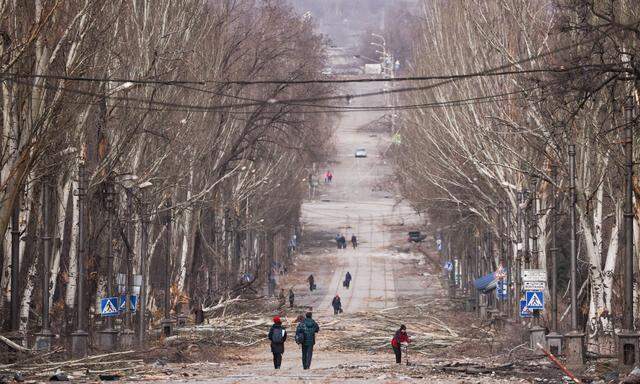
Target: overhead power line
252 102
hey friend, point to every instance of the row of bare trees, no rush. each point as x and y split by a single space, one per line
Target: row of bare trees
144 93
548 75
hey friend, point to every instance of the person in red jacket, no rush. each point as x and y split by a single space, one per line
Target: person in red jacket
399 338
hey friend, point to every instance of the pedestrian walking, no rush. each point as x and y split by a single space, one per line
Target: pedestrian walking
400 338
326 177
312 283
343 242
277 335
306 337
291 297
281 299
330 176
337 305
338 241
354 241
347 280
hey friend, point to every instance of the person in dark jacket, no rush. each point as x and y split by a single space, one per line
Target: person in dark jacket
399 338
307 329
277 335
347 280
337 305
291 297
312 282
343 242
354 241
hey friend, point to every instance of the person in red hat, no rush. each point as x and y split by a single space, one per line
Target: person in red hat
400 338
277 335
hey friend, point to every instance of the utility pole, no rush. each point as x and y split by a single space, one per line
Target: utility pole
167 323
45 336
526 223
144 246
127 334
554 339
627 322
534 221
502 263
79 337
628 339
575 346
519 248
15 266
554 249
108 335
509 263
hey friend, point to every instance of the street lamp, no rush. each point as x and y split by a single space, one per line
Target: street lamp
45 336
167 323
80 336
126 336
144 244
107 336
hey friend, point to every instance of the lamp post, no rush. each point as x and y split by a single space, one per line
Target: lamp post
127 335
519 248
509 253
79 337
144 244
628 344
536 332
45 336
534 221
526 226
108 335
554 339
167 323
574 340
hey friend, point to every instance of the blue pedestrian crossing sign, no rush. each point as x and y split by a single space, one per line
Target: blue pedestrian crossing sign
123 303
535 300
109 306
448 266
524 311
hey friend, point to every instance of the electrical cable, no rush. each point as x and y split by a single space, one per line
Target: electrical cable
447 79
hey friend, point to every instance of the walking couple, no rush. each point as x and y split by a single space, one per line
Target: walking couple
305 337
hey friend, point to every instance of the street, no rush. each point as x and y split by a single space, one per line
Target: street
443 191
388 275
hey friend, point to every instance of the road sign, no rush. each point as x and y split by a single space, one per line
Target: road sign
534 285
534 275
524 311
439 244
448 266
535 300
501 290
109 306
134 303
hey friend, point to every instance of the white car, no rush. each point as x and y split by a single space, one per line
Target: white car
361 152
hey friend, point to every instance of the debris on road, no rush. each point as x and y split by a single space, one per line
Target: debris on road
373 330
40 368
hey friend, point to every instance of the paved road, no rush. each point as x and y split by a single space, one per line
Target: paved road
353 204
